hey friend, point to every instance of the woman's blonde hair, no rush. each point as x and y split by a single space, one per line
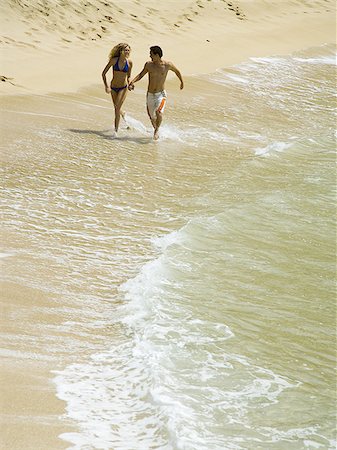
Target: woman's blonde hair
116 51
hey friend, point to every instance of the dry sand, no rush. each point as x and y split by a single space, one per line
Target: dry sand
61 46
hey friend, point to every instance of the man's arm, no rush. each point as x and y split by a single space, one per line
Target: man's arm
139 76
177 72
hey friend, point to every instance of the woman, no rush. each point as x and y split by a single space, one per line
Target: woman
121 71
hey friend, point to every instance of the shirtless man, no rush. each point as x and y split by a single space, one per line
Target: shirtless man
156 94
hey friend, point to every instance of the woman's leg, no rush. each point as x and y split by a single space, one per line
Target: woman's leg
113 98
118 100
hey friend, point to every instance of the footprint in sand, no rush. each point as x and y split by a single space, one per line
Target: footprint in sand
188 18
6 79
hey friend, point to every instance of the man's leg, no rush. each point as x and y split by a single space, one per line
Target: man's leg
150 117
159 115
157 125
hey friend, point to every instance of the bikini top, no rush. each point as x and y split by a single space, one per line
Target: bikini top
116 67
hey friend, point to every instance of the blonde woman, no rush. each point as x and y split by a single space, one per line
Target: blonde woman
121 72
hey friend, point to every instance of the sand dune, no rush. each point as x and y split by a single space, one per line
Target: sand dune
63 45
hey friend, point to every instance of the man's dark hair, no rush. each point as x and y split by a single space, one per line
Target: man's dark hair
156 50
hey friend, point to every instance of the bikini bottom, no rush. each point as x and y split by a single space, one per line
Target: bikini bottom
117 89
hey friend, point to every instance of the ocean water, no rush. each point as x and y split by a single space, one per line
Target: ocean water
194 276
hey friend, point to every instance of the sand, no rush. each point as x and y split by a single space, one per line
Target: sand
31 414
62 46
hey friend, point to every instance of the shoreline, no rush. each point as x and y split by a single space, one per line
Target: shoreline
19 91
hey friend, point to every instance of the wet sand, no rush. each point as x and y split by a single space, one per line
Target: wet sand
31 412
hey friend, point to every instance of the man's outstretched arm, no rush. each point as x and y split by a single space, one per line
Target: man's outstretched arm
138 77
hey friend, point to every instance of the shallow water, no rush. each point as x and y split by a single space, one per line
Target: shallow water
195 275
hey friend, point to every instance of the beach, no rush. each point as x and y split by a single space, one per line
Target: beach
62 47
176 294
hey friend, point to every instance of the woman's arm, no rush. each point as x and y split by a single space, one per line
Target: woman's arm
106 68
129 72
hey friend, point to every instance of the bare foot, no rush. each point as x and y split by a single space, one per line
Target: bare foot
124 118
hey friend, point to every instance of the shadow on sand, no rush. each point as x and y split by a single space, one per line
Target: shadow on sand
104 134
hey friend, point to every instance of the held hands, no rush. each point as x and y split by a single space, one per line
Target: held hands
107 90
131 87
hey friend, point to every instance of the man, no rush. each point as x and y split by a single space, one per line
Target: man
156 94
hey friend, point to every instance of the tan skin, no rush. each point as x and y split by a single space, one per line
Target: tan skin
119 80
157 70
